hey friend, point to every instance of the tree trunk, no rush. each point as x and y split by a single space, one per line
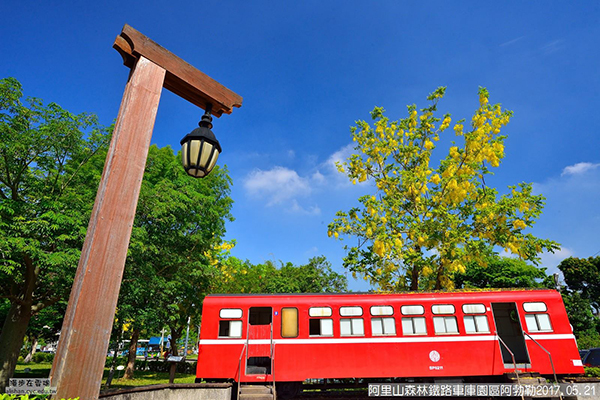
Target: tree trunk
414 280
32 351
11 338
113 365
174 336
135 335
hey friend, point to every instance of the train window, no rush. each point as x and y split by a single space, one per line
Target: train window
414 326
535 307
383 326
538 323
445 325
319 312
289 322
473 308
382 310
412 310
232 329
230 313
260 316
442 309
351 311
476 324
320 327
352 327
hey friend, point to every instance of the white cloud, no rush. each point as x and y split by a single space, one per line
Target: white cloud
298 209
276 185
551 260
338 157
319 178
553 46
579 168
331 172
284 186
511 42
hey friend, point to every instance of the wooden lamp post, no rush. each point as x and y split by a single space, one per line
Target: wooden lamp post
81 354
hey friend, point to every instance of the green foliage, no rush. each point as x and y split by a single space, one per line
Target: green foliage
587 339
243 277
583 276
592 372
429 220
121 360
581 318
501 272
40 357
179 224
46 195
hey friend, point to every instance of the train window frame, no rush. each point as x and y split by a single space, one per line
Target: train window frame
351 311
413 309
440 322
284 312
320 311
535 306
443 309
231 313
356 325
322 322
532 321
474 308
384 310
412 321
385 329
476 324
260 316
229 323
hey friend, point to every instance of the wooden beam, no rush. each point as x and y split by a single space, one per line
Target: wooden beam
81 354
182 78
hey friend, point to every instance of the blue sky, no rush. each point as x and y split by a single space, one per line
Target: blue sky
307 70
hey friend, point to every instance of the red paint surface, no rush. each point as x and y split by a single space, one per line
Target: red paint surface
368 356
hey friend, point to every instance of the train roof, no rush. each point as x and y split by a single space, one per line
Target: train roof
432 295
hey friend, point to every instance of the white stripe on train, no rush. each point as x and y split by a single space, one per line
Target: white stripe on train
426 339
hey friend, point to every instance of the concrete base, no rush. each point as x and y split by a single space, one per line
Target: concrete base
196 391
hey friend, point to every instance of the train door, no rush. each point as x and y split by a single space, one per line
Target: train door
508 328
260 339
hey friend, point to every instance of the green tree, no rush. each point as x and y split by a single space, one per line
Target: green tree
427 221
501 272
583 275
45 202
582 298
580 314
243 277
179 224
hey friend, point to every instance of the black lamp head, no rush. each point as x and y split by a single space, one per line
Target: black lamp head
200 148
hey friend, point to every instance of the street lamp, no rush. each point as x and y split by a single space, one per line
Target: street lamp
200 148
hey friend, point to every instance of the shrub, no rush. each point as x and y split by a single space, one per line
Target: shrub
39 358
592 371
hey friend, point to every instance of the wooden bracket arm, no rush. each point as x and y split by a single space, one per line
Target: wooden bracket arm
181 78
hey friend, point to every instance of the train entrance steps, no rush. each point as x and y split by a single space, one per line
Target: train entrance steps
256 392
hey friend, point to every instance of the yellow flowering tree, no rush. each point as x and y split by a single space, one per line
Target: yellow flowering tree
428 221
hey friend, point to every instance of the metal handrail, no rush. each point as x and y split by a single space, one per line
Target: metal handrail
273 362
240 368
549 356
511 356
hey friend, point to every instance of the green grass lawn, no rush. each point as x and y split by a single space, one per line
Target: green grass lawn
141 378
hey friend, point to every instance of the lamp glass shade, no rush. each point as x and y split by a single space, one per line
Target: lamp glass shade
199 153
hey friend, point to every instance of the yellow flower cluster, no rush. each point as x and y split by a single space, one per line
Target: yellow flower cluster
519 224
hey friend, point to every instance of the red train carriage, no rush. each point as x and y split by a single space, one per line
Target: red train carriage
291 338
